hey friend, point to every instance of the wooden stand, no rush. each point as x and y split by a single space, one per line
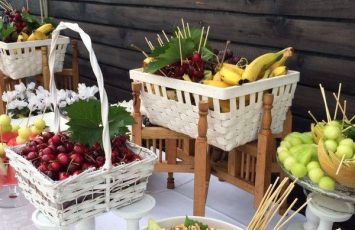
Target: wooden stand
249 167
67 79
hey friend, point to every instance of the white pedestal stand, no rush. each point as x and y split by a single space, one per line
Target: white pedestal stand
131 213
323 211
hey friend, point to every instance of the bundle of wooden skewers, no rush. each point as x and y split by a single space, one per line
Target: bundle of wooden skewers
274 198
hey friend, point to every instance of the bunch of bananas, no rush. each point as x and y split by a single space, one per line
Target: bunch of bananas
40 33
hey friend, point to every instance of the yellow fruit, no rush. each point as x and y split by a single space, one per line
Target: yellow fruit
20 38
224 105
260 64
6 128
207 75
35 130
37 35
288 53
235 68
24 35
45 28
219 84
24 132
217 77
186 77
20 140
147 61
39 123
230 76
15 128
5 119
278 71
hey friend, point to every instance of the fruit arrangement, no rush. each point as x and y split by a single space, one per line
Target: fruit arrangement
187 56
19 26
326 154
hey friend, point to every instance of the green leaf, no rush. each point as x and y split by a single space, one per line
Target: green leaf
85 121
189 222
6 30
206 54
32 22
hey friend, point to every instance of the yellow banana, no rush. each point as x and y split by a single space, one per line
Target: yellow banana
24 35
260 64
235 68
288 53
230 76
186 77
278 71
37 35
219 84
217 77
224 105
45 28
20 38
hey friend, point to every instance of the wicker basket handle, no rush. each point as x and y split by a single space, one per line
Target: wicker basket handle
97 71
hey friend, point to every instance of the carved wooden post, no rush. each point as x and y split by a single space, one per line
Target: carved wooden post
137 126
171 154
75 66
264 156
201 162
287 126
45 68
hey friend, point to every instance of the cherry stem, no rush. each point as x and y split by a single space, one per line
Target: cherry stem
69 165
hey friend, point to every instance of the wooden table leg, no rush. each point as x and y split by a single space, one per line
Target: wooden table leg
137 125
171 154
201 163
45 67
264 157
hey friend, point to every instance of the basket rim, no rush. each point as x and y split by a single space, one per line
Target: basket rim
215 92
15 45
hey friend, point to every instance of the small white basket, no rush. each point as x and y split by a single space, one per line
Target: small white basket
93 191
24 59
226 130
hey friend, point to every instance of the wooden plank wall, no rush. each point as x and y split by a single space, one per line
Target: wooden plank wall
321 31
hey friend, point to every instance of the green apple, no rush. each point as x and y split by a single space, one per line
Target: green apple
24 132
20 140
347 141
289 162
313 164
5 120
332 132
283 155
15 128
326 183
35 130
331 145
39 123
315 175
299 170
6 128
344 150
2 149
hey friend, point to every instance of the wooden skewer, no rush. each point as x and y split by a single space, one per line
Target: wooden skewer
352 119
166 37
180 50
149 45
340 164
139 49
208 30
313 117
159 40
10 6
336 106
325 102
183 27
188 29
182 36
293 214
225 50
199 45
349 127
285 213
340 107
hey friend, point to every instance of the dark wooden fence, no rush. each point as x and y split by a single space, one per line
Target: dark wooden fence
321 31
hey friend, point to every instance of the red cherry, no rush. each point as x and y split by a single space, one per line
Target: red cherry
87 165
47 150
196 57
47 157
100 161
136 158
42 167
61 149
63 175
55 166
77 172
47 135
32 155
56 140
72 167
77 158
69 146
80 149
63 158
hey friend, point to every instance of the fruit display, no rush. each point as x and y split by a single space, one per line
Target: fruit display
326 154
187 56
20 26
189 224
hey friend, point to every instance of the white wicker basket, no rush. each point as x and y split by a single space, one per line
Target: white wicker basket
24 59
226 130
92 191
